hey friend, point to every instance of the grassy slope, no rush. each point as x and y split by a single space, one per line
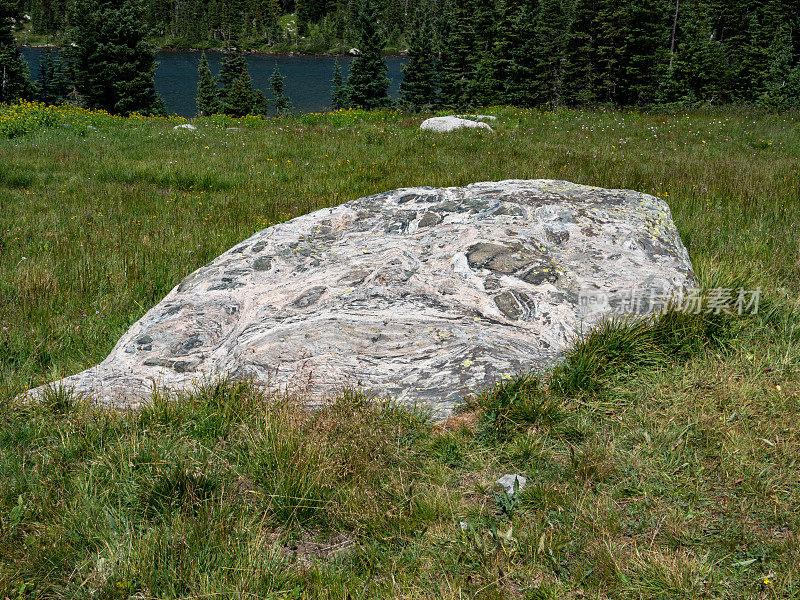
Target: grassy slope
679 480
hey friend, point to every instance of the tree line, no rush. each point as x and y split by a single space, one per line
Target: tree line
464 53
109 64
605 52
578 53
318 25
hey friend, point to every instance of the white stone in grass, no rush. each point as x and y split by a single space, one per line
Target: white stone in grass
426 295
188 126
451 123
507 482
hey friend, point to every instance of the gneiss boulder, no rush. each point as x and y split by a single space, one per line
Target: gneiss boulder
451 123
422 294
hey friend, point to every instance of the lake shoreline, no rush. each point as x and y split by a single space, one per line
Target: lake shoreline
222 51
307 77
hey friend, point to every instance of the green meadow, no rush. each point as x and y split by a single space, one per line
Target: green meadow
662 457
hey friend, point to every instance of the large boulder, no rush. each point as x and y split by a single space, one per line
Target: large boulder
451 123
424 294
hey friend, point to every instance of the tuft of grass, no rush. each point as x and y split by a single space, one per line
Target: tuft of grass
518 402
618 349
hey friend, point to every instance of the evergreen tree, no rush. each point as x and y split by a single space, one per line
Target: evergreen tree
338 89
267 14
53 84
581 68
418 88
207 93
523 69
46 75
367 83
112 61
782 78
482 80
550 37
699 67
47 16
15 79
708 26
237 96
490 83
301 17
645 55
526 52
276 83
610 41
457 54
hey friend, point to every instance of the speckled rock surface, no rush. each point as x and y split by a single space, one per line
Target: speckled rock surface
423 294
447 124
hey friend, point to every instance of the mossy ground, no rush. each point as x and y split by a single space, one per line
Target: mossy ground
662 459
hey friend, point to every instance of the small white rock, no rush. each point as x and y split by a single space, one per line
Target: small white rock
507 482
464 525
451 123
188 126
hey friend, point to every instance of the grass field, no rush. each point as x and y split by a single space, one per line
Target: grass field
663 459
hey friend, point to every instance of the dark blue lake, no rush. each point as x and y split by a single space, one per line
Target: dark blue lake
308 78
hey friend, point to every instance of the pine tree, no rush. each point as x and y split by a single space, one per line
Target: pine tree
767 21
722 25
237 96
62 85
418 88
457 54
523 71
301 17
487 85
207 93
276 83
493 72
367 83
550 35
699 67
338 89
47 73
782 77
581 68
113 62
610 41
645 56
267 14
15 79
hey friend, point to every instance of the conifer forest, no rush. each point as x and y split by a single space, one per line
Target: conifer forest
521 52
